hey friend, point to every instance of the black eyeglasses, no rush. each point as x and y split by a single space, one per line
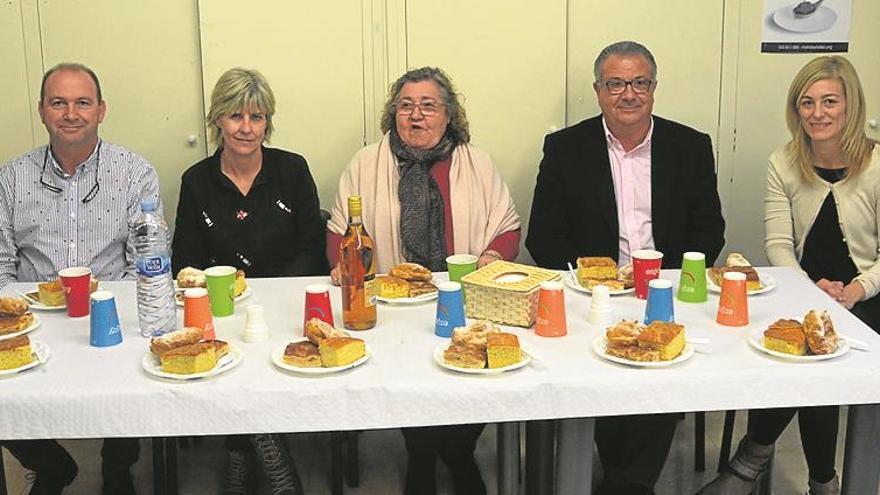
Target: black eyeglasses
55 189
618 86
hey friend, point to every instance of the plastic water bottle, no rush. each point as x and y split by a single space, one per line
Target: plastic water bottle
155 286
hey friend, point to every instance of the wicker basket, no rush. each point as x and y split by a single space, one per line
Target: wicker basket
505 292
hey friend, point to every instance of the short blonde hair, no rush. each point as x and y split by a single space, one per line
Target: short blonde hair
240 89
855 144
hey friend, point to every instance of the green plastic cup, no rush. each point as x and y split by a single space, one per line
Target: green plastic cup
460 265
221 289
692 284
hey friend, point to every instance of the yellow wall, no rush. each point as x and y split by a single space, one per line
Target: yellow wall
524 68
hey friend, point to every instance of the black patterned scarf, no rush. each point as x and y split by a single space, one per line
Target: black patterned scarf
422 228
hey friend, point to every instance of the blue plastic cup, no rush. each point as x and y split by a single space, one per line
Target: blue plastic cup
104 327
659 307
450 309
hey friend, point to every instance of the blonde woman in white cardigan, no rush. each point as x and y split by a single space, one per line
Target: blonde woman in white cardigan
821 215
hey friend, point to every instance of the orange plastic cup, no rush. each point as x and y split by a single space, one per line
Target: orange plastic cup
551 311
733 305
197 311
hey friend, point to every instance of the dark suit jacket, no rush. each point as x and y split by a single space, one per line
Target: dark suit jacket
574 211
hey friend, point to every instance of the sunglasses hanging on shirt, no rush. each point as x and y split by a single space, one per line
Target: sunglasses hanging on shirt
55 189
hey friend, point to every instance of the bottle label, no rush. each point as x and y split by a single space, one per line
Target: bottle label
154 265
371 290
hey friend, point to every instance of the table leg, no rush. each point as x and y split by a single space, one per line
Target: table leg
508 458
171 465
336 441
574 466
159 477
2 474
860 472
539 457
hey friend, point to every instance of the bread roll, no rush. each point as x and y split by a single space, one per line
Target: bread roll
13 306
411 271
821 335
317 330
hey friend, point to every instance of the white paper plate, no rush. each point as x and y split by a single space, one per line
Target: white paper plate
409 301
599 348
756 340
821 20
278 360
33 299
178 295
40 353
153 366
33 326
572 283
768 283
438 358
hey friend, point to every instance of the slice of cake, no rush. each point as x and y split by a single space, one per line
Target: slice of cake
465 356
786 336
411 272
753 281
12 324
502 349
189 359
51 293
612 283
596 268
821 335
240 284
303 354
339 351
15 353
665 338
392 287
184 336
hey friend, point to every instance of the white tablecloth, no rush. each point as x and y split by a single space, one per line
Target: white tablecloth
84 391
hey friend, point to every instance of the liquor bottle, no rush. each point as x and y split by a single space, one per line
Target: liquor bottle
358 270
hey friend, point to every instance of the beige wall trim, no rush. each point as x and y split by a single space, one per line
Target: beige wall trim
384 57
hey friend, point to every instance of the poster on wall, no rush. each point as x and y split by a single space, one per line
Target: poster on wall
806 26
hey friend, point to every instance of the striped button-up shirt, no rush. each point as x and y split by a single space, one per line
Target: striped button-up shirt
44 230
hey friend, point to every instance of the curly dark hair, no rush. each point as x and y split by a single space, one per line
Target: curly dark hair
457 128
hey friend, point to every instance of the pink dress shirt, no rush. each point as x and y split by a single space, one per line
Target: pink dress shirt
631 173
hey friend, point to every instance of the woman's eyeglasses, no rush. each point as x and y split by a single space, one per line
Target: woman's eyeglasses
55 189
428 108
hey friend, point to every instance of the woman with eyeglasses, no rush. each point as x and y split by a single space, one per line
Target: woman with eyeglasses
428 193
254 208
821 216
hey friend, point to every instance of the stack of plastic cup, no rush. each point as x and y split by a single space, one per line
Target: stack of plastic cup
600 309
255 328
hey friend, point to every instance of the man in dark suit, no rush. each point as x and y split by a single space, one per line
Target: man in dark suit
669 194
616 183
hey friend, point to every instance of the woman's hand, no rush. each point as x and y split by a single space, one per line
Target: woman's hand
487 257
852 293
833 289
336 275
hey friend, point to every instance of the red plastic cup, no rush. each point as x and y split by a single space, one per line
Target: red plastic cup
197 311
76 282
646 267
550 321
318 304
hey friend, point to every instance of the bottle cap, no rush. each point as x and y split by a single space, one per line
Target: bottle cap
148 204
354 206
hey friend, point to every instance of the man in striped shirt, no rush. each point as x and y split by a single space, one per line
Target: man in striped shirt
69 203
